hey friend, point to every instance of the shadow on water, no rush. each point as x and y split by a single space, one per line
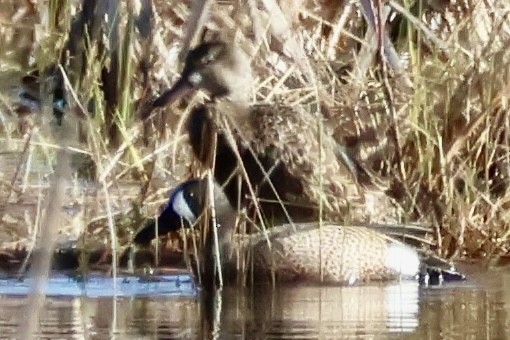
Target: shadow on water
169 308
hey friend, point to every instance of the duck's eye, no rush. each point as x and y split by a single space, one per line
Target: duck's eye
208 59
214 52
195 78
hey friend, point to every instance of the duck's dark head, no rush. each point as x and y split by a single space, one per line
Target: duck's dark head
214 67
186 203
188 200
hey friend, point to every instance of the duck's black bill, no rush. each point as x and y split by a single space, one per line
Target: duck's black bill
146 235
167 222
180 89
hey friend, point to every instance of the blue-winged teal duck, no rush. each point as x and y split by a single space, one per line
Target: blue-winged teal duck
304 252
287 158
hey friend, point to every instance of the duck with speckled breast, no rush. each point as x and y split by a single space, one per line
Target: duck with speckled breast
305 252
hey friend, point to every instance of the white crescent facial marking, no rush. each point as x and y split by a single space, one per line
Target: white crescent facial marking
181 207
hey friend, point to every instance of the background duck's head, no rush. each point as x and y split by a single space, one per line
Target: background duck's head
215 67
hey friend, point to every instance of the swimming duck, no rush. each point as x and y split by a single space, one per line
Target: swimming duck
329 253
286 156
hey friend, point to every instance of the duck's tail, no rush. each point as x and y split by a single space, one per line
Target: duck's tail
433 269
436 270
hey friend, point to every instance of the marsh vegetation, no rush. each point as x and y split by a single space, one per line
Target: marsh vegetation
80 76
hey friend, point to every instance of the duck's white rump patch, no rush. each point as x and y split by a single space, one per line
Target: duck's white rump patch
403 259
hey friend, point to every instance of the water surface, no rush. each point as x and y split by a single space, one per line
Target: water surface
172 308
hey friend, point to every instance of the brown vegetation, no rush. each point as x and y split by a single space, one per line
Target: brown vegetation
446 108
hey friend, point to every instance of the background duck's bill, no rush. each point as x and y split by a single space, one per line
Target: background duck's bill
181 88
